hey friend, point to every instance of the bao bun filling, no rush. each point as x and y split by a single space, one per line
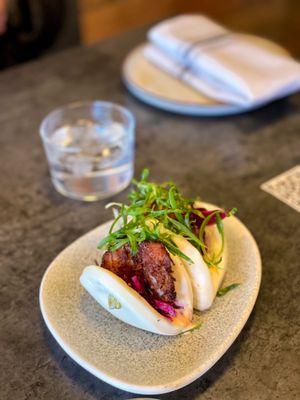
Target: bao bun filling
149 272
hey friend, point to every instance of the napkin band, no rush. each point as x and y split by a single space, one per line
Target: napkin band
207 42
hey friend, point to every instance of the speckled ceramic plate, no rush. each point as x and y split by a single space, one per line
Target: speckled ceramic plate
132 359
161 90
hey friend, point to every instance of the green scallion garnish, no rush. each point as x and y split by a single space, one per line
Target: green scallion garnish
221 292
156 212
194 328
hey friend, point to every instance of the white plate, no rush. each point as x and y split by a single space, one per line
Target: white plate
161 90
132 359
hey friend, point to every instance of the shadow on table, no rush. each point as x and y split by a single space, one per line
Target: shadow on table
91 385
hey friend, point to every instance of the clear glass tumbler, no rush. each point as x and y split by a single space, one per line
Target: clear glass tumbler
90 149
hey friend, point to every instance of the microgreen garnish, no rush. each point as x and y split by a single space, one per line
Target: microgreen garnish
194 328
226 289
157 212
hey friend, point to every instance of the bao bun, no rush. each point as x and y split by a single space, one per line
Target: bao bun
133 308
196 286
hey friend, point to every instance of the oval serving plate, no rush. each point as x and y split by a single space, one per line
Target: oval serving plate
132 359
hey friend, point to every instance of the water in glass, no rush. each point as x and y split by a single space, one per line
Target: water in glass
90 161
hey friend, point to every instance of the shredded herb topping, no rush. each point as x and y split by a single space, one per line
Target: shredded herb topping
158 211
194 328
226 289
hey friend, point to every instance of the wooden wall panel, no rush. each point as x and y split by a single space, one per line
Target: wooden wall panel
278 19
99 19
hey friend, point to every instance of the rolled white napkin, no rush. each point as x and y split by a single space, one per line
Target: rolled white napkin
224 65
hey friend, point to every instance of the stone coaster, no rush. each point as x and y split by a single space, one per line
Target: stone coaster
285 187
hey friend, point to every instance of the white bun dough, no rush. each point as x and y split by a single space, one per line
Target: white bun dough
205 280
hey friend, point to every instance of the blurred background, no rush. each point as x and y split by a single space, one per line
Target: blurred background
31 28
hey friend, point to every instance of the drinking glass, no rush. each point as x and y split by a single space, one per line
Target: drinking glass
90 149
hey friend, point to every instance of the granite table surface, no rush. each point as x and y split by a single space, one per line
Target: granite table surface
224 160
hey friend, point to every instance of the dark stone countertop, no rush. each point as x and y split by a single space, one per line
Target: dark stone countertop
224 160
